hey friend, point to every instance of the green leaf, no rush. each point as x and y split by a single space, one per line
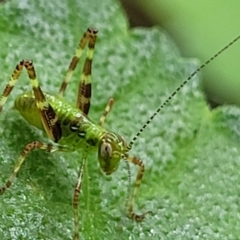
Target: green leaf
191 154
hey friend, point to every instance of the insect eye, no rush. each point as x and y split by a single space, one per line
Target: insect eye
105 150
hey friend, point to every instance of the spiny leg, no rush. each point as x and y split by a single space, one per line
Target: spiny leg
84 88
29 147
106 111
139 163
74 61
48 115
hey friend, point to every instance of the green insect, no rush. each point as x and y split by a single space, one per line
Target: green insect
70 128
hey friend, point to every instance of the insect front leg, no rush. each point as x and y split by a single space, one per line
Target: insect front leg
139 163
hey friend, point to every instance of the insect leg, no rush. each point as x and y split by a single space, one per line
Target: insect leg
139 163
85 85
74 62
28 148
106 111
76 200
11 83
48 115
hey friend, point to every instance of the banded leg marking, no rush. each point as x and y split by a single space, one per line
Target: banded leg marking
106 111
139 163
29 147
85 85
74 62
48 115
76 200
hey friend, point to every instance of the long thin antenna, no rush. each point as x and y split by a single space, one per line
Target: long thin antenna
178 89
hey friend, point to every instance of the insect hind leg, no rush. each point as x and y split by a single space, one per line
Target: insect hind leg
48 116
82 44
85 85
84 89
10 85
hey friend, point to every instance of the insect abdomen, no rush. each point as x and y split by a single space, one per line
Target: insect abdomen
67 114
26 105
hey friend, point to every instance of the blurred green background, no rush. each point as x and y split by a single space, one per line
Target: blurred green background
200 28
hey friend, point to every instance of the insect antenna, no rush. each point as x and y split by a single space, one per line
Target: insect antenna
178 89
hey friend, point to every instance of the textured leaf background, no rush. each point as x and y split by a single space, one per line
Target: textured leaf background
191 154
